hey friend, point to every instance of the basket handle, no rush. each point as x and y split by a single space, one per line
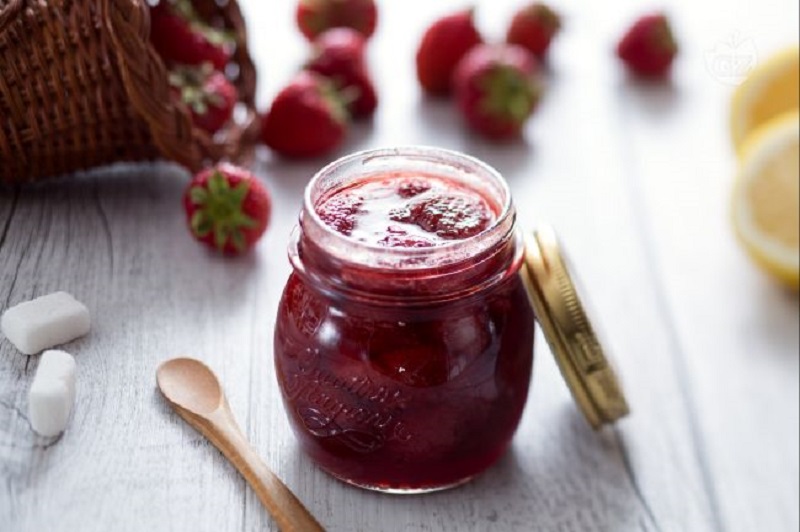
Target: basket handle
9 11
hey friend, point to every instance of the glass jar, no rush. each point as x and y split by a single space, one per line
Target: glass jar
405 370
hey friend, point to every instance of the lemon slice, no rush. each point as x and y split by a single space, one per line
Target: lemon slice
766 198
771 89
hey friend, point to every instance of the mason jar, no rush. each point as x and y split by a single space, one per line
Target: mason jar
405 368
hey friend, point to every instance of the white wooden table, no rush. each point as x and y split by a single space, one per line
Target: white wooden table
634 177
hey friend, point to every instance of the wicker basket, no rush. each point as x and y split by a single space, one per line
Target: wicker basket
81 86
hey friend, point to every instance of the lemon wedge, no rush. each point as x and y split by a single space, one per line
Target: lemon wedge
771 89
766 197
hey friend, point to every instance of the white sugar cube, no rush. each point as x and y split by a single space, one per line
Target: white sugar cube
45 322
52 393
49 407
56 365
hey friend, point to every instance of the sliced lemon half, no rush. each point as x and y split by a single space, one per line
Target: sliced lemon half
772 88
766 198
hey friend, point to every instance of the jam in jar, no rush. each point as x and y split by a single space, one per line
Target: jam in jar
404 337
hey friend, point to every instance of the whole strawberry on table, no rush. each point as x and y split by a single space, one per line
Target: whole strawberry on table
648 48
307 118
443 45
534 26
496 89
227 208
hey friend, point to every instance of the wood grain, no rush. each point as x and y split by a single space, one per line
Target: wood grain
635 179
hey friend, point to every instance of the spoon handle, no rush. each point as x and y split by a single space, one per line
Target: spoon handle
221 430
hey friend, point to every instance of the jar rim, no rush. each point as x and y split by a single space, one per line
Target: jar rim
344 247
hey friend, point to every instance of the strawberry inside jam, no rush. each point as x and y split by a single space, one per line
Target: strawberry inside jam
392 381
400 210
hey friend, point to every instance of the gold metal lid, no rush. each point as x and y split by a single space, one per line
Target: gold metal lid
572 339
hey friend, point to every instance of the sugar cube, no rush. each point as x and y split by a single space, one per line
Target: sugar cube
52 393
57 365
45 322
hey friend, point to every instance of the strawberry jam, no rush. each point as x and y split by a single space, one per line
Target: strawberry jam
399 210
403 344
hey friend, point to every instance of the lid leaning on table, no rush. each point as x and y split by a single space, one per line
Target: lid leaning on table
569 332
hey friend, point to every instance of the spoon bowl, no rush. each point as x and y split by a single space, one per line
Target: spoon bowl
190 384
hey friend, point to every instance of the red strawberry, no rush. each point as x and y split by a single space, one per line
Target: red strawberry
450 216
316 16
496 89
339 212
179 36
533 27
207 93
443 45
339 56
227 208
307 118
648 47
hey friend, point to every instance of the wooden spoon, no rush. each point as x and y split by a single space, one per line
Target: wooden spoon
193 390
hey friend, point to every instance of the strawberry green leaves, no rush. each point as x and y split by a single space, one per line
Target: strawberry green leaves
227 208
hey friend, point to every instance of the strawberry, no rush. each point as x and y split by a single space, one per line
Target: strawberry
496 89
648 48
227 208
306 119
450 216
207 93
340 213
443 45
316 16
533 27
179 36
339 56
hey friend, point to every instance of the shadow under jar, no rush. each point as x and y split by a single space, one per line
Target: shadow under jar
404 337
